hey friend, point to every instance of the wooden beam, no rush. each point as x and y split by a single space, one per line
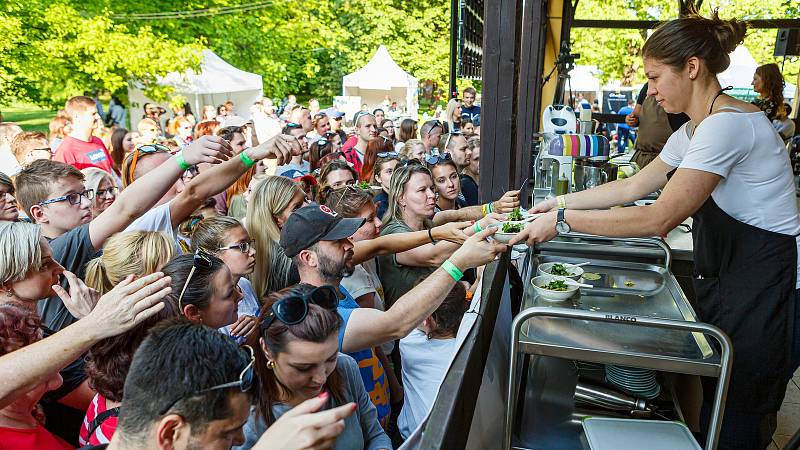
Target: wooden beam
650 24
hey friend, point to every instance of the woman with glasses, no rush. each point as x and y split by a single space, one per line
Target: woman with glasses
378 145
297 359
388 125
226 238
203 289
8 203
105 191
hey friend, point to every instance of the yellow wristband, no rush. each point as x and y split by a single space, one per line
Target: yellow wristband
562 202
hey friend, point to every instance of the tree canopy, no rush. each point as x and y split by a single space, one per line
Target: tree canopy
52 49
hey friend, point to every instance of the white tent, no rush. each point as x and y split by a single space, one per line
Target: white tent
216 83
740 73
584 79
380 77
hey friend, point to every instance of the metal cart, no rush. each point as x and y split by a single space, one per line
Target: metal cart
635 316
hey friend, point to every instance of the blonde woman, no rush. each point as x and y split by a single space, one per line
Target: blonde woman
136 253
414 149
453 116
271 203
226 238
105 190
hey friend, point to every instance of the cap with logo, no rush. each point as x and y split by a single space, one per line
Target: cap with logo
313 223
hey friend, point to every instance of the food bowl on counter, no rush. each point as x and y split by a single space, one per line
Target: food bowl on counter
554 288
560 270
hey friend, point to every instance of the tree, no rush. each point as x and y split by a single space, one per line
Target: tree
49 52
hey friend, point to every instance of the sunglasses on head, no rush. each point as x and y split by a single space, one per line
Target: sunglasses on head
293 125
388 154
436 158
145 149
199 260
244 383
293 309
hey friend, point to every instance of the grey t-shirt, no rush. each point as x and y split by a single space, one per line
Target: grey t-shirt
73 250
396 278
361 429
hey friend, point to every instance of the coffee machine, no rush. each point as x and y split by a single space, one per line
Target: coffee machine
568 161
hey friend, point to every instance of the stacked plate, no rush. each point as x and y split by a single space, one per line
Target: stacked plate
638 382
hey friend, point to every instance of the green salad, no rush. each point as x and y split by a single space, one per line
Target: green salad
560 270
511 227
556 285
364 185
515 214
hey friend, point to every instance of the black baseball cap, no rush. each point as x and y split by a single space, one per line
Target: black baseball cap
313 223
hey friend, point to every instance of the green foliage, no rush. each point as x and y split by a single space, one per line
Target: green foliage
617 53
49 51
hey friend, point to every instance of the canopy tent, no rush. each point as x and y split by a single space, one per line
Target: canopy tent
382 77
216 83
584 79
740 73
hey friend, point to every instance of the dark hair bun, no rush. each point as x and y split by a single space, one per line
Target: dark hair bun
729 33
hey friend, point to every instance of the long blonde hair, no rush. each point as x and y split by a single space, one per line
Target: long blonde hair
269 199
128 253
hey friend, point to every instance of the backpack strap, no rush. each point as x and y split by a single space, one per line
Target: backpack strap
95 424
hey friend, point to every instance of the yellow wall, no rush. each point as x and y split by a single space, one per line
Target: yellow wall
552 47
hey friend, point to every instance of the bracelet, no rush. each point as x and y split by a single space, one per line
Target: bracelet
483 209
430 235
491 207
181 161
246 160
478 228
454 271
562 201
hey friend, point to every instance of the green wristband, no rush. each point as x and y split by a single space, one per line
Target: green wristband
478 228
454 271
181 161
246 160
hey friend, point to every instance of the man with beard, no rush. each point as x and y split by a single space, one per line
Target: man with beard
318 241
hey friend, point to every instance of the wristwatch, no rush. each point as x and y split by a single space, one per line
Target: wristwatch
562 226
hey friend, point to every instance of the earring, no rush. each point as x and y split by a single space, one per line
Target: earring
270 364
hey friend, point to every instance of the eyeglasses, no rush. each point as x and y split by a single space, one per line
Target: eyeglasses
244 383
388 154
145 149
199 260
436 158
434 124
112 192
293 309
73 199
243 247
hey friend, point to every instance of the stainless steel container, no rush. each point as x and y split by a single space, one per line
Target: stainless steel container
589 174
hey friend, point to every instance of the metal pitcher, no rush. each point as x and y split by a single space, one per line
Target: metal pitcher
587 177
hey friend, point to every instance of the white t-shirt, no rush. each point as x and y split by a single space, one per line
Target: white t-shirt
365 280
425 363
757 186
248 305
157 219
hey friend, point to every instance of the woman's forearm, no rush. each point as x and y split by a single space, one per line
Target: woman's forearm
648 180
389 244
23 369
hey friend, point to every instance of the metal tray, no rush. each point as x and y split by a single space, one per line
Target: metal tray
623 434
654 293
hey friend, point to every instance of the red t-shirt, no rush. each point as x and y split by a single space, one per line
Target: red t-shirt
81 154
31 438
103 433
351 154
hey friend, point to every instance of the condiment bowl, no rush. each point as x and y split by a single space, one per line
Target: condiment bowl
547 294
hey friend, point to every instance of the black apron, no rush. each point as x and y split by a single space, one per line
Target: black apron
745 279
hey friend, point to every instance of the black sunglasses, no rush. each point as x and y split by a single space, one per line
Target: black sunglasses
199 260
293 309
293 125
244 383
436 158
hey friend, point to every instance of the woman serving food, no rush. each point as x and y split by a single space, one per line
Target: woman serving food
728 169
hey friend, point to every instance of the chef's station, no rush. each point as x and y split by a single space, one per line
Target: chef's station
583 342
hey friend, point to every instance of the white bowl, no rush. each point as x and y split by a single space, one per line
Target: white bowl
504 238
547 294
576 272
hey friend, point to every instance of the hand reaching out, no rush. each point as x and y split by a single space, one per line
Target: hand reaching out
80 299
207 149
303 428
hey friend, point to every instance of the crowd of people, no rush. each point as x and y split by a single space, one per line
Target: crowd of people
224 282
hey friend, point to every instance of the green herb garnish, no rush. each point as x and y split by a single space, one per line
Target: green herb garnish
556 285
560 270
364 185
511 227
515 214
